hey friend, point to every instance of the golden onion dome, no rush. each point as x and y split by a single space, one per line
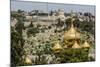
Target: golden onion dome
76 45
65 46
86 45
57 46
28 60
71 34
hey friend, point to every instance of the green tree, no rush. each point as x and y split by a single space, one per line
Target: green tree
17 43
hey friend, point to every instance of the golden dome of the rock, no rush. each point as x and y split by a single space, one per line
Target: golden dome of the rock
71 34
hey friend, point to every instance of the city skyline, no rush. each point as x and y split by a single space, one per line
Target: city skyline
43 6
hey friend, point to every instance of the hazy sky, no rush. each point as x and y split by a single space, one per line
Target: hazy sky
29 6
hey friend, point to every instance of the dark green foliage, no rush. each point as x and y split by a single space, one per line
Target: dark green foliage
68 22
32 31
60 23
73 55
88 26
82 25
49 27
18 14
17 43
16 48
31 25
19 27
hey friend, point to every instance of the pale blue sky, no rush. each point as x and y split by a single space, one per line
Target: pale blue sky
29 6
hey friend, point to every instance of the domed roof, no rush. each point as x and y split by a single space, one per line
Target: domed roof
86 45
28 60
71 34
57 46
65 46
76 45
